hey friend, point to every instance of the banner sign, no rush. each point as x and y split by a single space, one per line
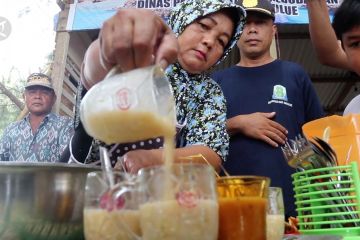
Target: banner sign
295 11
90 14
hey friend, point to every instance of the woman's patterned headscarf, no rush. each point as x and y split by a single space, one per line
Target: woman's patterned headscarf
188 11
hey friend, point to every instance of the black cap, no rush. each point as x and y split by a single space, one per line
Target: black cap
261 6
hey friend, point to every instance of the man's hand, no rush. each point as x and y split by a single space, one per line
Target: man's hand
259 126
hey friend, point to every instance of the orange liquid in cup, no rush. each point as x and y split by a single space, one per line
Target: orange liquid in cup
242 207
242 218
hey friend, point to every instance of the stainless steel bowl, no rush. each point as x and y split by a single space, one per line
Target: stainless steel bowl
42 200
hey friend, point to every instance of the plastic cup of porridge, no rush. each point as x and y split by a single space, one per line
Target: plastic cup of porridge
111 213
179 203
130 106
275 219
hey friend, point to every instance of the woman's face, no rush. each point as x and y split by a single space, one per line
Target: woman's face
202 43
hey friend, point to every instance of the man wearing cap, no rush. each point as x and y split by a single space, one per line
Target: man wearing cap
268 101
41 136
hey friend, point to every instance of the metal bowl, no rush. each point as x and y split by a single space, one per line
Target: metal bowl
42 200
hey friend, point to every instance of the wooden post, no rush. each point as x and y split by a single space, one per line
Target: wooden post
60 55
273 49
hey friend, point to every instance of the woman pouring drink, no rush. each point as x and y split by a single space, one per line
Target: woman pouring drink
200 34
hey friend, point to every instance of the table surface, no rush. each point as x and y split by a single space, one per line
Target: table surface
319 237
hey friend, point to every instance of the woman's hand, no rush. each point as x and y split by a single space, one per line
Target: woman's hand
135 160
132 38
135 38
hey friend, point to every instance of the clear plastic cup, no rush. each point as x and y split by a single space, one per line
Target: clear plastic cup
243 205
275 219
179 204
130 106
111 213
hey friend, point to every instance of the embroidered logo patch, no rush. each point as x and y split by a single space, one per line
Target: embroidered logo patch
279 96
279 93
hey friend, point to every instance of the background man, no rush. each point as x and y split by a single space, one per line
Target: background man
41 136
268 101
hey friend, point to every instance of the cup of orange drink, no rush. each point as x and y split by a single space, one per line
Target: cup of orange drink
242 207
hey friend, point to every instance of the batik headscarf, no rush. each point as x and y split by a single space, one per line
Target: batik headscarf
200 103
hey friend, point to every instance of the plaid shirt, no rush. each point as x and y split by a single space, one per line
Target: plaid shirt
19 143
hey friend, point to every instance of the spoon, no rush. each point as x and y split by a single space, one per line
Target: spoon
348 155
327 152
106 166
114 198
326 134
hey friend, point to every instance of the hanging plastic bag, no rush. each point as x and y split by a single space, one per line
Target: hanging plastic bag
341 132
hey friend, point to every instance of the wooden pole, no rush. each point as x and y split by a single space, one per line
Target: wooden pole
273 48
60 55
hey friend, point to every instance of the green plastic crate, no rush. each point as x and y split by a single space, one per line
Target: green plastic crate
328 200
